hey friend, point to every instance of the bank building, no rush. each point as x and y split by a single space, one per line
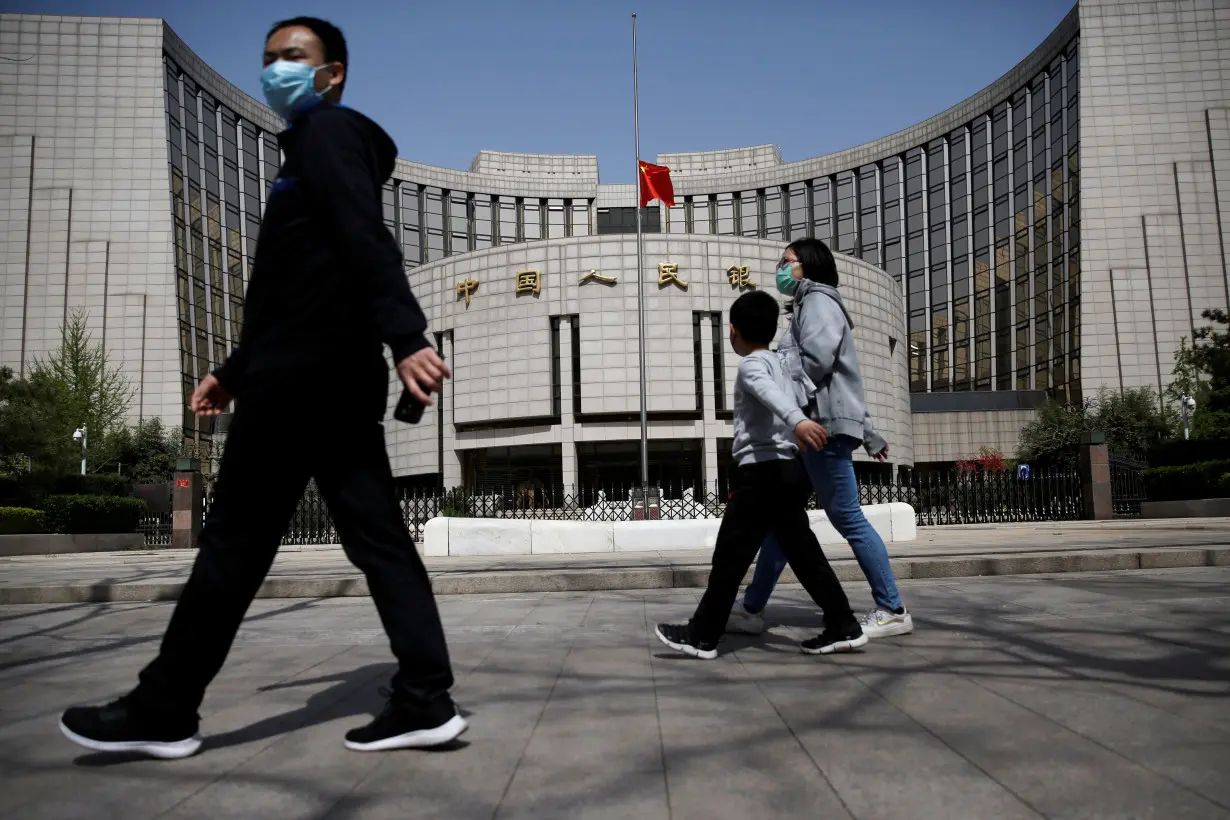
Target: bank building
1056 233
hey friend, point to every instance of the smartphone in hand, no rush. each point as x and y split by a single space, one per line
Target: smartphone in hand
409 409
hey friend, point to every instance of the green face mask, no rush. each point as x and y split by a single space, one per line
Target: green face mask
786 283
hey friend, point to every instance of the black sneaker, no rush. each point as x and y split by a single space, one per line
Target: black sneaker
404 726
679 638
118 727
830 641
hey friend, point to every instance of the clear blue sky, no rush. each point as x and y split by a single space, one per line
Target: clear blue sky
447 79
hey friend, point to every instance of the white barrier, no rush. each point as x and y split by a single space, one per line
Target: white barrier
502 536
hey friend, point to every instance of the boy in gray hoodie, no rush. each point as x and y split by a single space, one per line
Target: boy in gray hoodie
769 494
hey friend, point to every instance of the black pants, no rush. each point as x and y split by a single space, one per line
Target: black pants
274 446
769 496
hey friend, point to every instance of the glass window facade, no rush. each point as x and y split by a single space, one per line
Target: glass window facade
623 220
459 219
531 220
979 227
483 216
220 168
582 223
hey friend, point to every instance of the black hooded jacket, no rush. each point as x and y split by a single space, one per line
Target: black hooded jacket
328 287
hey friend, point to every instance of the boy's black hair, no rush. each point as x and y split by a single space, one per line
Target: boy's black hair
754 315
816 259
330 36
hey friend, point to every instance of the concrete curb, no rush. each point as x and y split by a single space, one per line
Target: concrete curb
12 546
487 582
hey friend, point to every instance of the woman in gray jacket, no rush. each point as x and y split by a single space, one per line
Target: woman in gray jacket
818 352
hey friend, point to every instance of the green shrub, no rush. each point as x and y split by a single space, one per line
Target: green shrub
14 492
93 513
31 489
8 488
21 520
455 504
93 484
1187 481
1181 451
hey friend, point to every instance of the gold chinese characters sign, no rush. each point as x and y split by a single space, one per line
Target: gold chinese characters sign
529 281
466 288
595 276
668 274
740 277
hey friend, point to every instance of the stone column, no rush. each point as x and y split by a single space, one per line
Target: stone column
712 426
187 504
711 460
1095 477
450 469
567 420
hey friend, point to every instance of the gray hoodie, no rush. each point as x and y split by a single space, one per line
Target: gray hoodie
766 411
818 353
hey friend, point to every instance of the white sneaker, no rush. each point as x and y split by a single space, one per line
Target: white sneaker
883 623
740 620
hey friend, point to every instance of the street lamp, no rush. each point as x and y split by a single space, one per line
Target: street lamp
79 435
1188 405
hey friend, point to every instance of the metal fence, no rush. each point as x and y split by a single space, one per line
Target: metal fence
938 498
982 497
559 505
1127 485
156 529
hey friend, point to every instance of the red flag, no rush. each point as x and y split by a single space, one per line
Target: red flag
656 184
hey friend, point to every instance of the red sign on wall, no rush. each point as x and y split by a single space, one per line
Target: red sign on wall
183 482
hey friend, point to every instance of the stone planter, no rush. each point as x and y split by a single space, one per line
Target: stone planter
64 543
1195 508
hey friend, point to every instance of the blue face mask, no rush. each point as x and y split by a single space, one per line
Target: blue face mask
786 283
290 88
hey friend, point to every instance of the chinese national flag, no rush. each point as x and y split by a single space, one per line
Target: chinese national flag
656 184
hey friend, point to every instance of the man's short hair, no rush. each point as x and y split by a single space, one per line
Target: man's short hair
754 315
330 36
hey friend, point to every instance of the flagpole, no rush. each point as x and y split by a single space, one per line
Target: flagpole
640 274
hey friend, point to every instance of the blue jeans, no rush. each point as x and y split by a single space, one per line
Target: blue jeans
832 476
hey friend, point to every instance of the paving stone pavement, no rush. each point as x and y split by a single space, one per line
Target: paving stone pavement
1068 696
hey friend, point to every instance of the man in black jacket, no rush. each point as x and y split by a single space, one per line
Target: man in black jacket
328 291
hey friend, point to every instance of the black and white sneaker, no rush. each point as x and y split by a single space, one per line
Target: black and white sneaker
406 726
679 638
832 641
118 727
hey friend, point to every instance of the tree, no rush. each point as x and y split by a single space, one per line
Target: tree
74 385
1054 435
1186 378
31 425
1133 421
92 391
1202 371
145 453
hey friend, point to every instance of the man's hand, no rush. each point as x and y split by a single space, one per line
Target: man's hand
882 455
422 372
209 398
811 435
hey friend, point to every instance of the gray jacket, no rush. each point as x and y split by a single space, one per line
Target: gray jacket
818 354
766 411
